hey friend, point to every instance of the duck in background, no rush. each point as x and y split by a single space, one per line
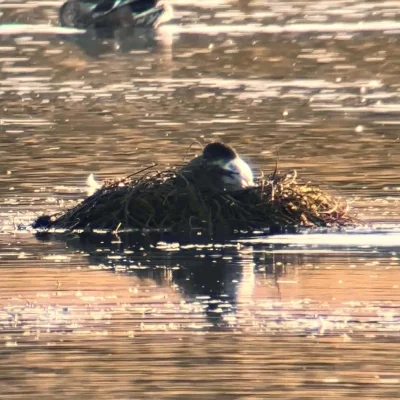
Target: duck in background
231 174
85 14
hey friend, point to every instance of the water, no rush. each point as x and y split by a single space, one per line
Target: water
299 316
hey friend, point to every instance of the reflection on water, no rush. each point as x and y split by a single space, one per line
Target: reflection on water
305 316
158 319
97 43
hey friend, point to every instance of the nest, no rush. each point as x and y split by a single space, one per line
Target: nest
177 201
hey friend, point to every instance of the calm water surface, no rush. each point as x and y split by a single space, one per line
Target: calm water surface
315 83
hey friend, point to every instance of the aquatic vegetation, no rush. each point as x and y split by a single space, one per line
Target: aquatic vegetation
179 201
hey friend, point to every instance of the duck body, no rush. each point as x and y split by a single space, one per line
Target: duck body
223 167
84 14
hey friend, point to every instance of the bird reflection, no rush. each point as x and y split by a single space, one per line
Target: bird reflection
223 278
244 5
97 42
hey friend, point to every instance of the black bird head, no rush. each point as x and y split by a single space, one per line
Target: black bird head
218 150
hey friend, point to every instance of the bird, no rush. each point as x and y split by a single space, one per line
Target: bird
231 173
83 14
219 168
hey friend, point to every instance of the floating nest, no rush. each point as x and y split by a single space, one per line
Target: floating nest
190 201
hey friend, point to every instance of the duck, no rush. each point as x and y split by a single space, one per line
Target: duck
232 173
83 14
